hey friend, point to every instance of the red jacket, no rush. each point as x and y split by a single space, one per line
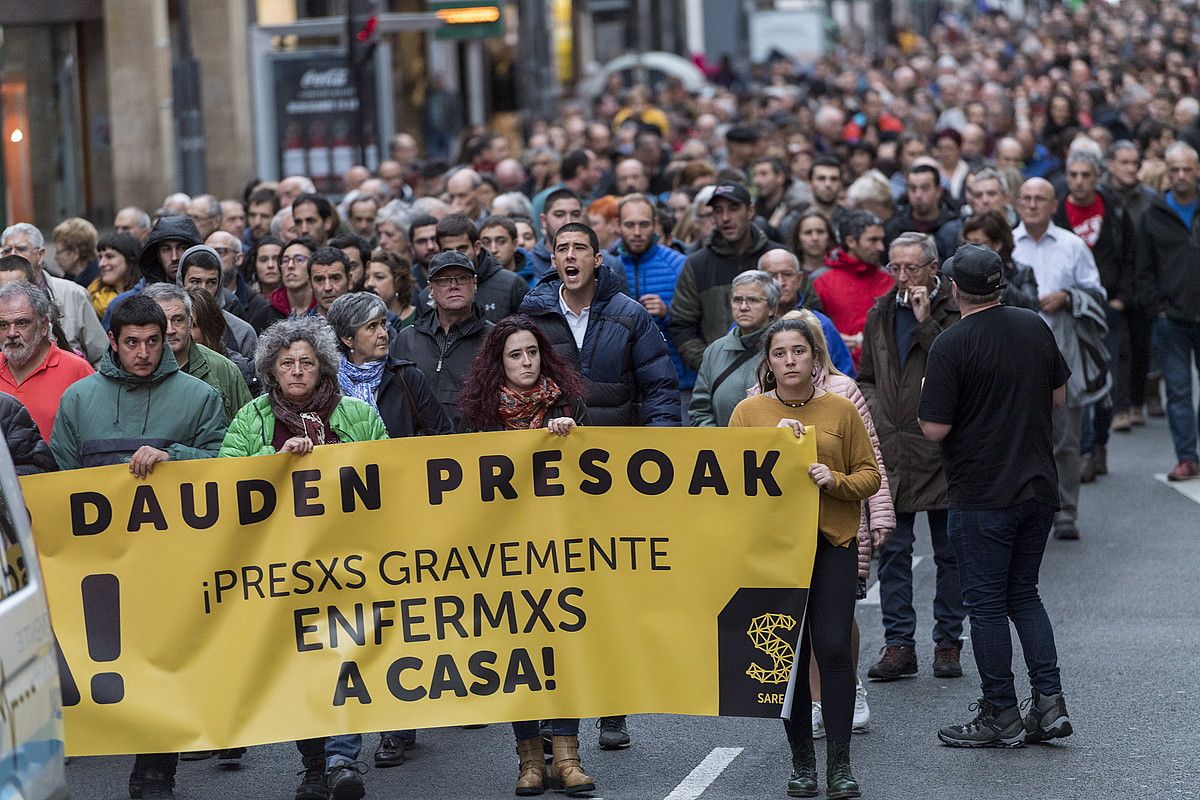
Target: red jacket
848 290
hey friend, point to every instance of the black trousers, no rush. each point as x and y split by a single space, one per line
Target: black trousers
827 625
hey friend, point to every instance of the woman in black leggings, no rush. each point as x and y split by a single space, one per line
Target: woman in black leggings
847 474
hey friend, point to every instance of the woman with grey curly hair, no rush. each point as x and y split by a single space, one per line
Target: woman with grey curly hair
302 406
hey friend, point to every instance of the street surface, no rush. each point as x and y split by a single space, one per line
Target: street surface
1123 602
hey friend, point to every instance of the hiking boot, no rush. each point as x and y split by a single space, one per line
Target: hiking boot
566 774
614 735
1047 718
1184 471
1122 422
946 662
196 755
157 785
1087 468
989 728
818 721
231 758
862 712
345 781
313 785
895 661
390 752
531 777
803 782
1100 458
839 780
1137 417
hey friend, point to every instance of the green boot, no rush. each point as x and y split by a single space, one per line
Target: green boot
803 782
840 779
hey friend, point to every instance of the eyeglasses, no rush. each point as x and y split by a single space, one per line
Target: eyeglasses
452 280
299 261
738 300
24 249
909 269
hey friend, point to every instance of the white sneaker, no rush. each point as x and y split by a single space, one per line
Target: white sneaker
818 721
862 712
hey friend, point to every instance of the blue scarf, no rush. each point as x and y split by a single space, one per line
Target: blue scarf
361 380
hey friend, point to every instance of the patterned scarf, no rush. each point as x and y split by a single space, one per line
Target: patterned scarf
308 420
526 410
361 380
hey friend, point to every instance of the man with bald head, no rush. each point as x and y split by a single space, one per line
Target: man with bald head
292 187
233 217
392 173
510 175
1069 287
205 211
796 291
630 177
236 295
1010 153
354 178
463 188
133 221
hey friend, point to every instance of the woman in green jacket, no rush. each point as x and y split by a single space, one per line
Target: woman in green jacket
302 407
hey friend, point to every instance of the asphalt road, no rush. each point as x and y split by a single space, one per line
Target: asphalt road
1123 601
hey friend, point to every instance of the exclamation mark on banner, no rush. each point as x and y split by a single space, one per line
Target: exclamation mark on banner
102 624
548 668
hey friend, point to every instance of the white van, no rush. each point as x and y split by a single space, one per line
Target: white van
31 720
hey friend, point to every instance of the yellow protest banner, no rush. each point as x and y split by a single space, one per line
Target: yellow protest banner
427 582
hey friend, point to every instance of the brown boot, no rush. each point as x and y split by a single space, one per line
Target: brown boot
532 779
565 773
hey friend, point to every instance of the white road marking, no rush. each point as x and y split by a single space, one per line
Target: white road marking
704 774
1189 489
872 598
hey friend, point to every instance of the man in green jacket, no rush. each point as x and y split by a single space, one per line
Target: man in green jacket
139 409
195 359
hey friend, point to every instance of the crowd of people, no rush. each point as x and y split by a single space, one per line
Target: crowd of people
960 264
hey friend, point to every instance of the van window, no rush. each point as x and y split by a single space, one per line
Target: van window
12 557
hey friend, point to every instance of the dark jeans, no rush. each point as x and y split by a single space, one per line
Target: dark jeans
1139 323
999 556
896 583
558 727
1179 346
827 623
163 762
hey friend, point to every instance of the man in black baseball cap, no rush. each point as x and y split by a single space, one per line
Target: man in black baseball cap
444 340
700 312
991 383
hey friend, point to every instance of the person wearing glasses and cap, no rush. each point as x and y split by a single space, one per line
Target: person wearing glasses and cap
898 335
992 383
444 340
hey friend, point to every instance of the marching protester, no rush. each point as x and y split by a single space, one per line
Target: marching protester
118 272
518 382
149 412
498 291
303 407
900 328
846 474
855 277
389 277
993 382
29 452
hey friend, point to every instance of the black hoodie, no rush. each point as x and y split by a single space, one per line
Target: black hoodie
177 227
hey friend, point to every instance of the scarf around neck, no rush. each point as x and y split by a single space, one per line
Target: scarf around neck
526 410
361 380
310 419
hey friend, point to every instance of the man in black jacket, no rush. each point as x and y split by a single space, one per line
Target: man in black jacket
498 291
1098 217
30 454
618 349
926 212
1168 261
443 343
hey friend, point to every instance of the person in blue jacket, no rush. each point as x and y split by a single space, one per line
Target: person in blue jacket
651 269
563 206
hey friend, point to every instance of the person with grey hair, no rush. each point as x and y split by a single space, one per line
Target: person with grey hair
33 368
303 407
512 204
988 190
871 192
205 211
796 291
897 338
177 203
75 312
133 221
1097 216
463 188
728 368
283 224
194 358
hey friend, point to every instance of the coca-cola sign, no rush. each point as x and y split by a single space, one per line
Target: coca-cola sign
334 78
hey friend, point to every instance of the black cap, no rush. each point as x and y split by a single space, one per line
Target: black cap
975 270
734 192
450 258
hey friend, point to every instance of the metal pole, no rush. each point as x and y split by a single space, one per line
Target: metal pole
358 122
189 117
537 83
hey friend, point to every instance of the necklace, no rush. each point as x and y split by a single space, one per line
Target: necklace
802 403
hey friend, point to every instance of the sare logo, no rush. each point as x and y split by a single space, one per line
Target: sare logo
762 633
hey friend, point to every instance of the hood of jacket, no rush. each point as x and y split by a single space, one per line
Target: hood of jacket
177 227
722 247
486 265
840 259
